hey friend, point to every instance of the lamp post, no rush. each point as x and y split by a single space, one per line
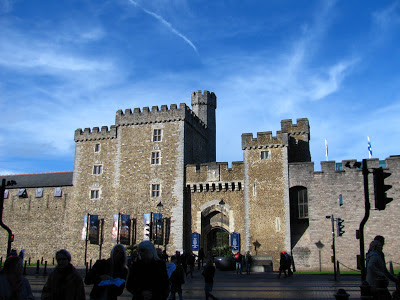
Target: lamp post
10 234
221 204
159 210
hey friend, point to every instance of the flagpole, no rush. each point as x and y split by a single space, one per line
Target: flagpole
369 148
326 149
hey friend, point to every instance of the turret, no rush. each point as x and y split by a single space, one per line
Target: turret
204 105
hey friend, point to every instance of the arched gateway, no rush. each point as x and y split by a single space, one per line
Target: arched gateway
215 223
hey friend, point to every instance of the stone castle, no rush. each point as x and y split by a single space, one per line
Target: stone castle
163 161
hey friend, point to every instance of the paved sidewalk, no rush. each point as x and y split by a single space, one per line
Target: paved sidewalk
228 285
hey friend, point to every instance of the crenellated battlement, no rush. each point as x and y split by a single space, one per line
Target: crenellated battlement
205 98
264 140
302 126
95 134
158 115
214 172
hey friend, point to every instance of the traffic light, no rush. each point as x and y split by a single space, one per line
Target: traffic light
340 227
380 188
11 239
149 230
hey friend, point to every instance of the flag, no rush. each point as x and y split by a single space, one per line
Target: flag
369 148
326 149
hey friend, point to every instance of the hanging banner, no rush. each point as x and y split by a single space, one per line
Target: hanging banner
158 228
114 233
195 241
94 229
235 241
147 227
125 230
84 229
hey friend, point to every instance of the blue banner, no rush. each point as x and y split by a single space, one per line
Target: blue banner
195 241
235 241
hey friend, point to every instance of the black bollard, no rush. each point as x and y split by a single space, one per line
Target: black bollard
90 265
29 261
41 262
25 268
87 266
37 266
45 268
342 295
53 261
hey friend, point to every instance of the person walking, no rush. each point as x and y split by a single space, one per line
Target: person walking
283 264
12 284
377 274
176 280
238 260
200 258
208 274
248 261
108 276
190 261
148 277
64 283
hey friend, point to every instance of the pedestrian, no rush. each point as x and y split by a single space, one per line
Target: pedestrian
12 284
184 261
177 279
148 277
164 255
289 263
283 264
208 273
64 282
190 261
238 260
377 274
248 261
200 258
108 276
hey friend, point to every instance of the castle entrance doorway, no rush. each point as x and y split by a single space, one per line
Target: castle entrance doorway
215 226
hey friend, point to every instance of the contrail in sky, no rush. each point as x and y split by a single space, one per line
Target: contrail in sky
166 24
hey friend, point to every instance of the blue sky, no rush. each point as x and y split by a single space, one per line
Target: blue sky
72 64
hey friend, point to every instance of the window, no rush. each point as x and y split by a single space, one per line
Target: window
57 192
277 224
94 194
22 193
97 169
155 158
254 189
157 135
264 154
97 148
39 193
302 204
155 190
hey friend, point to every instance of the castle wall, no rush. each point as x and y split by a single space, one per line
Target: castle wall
323 189
266 198
38 224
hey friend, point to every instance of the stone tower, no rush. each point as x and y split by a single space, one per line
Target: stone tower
204 106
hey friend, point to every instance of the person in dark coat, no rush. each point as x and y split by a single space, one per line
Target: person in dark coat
377 273
283 264
239 260
208 273
248 261
106 273
176 280
12 284
200 258
64 283
190 261
148 277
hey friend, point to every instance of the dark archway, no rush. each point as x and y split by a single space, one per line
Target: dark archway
298 213
217 238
